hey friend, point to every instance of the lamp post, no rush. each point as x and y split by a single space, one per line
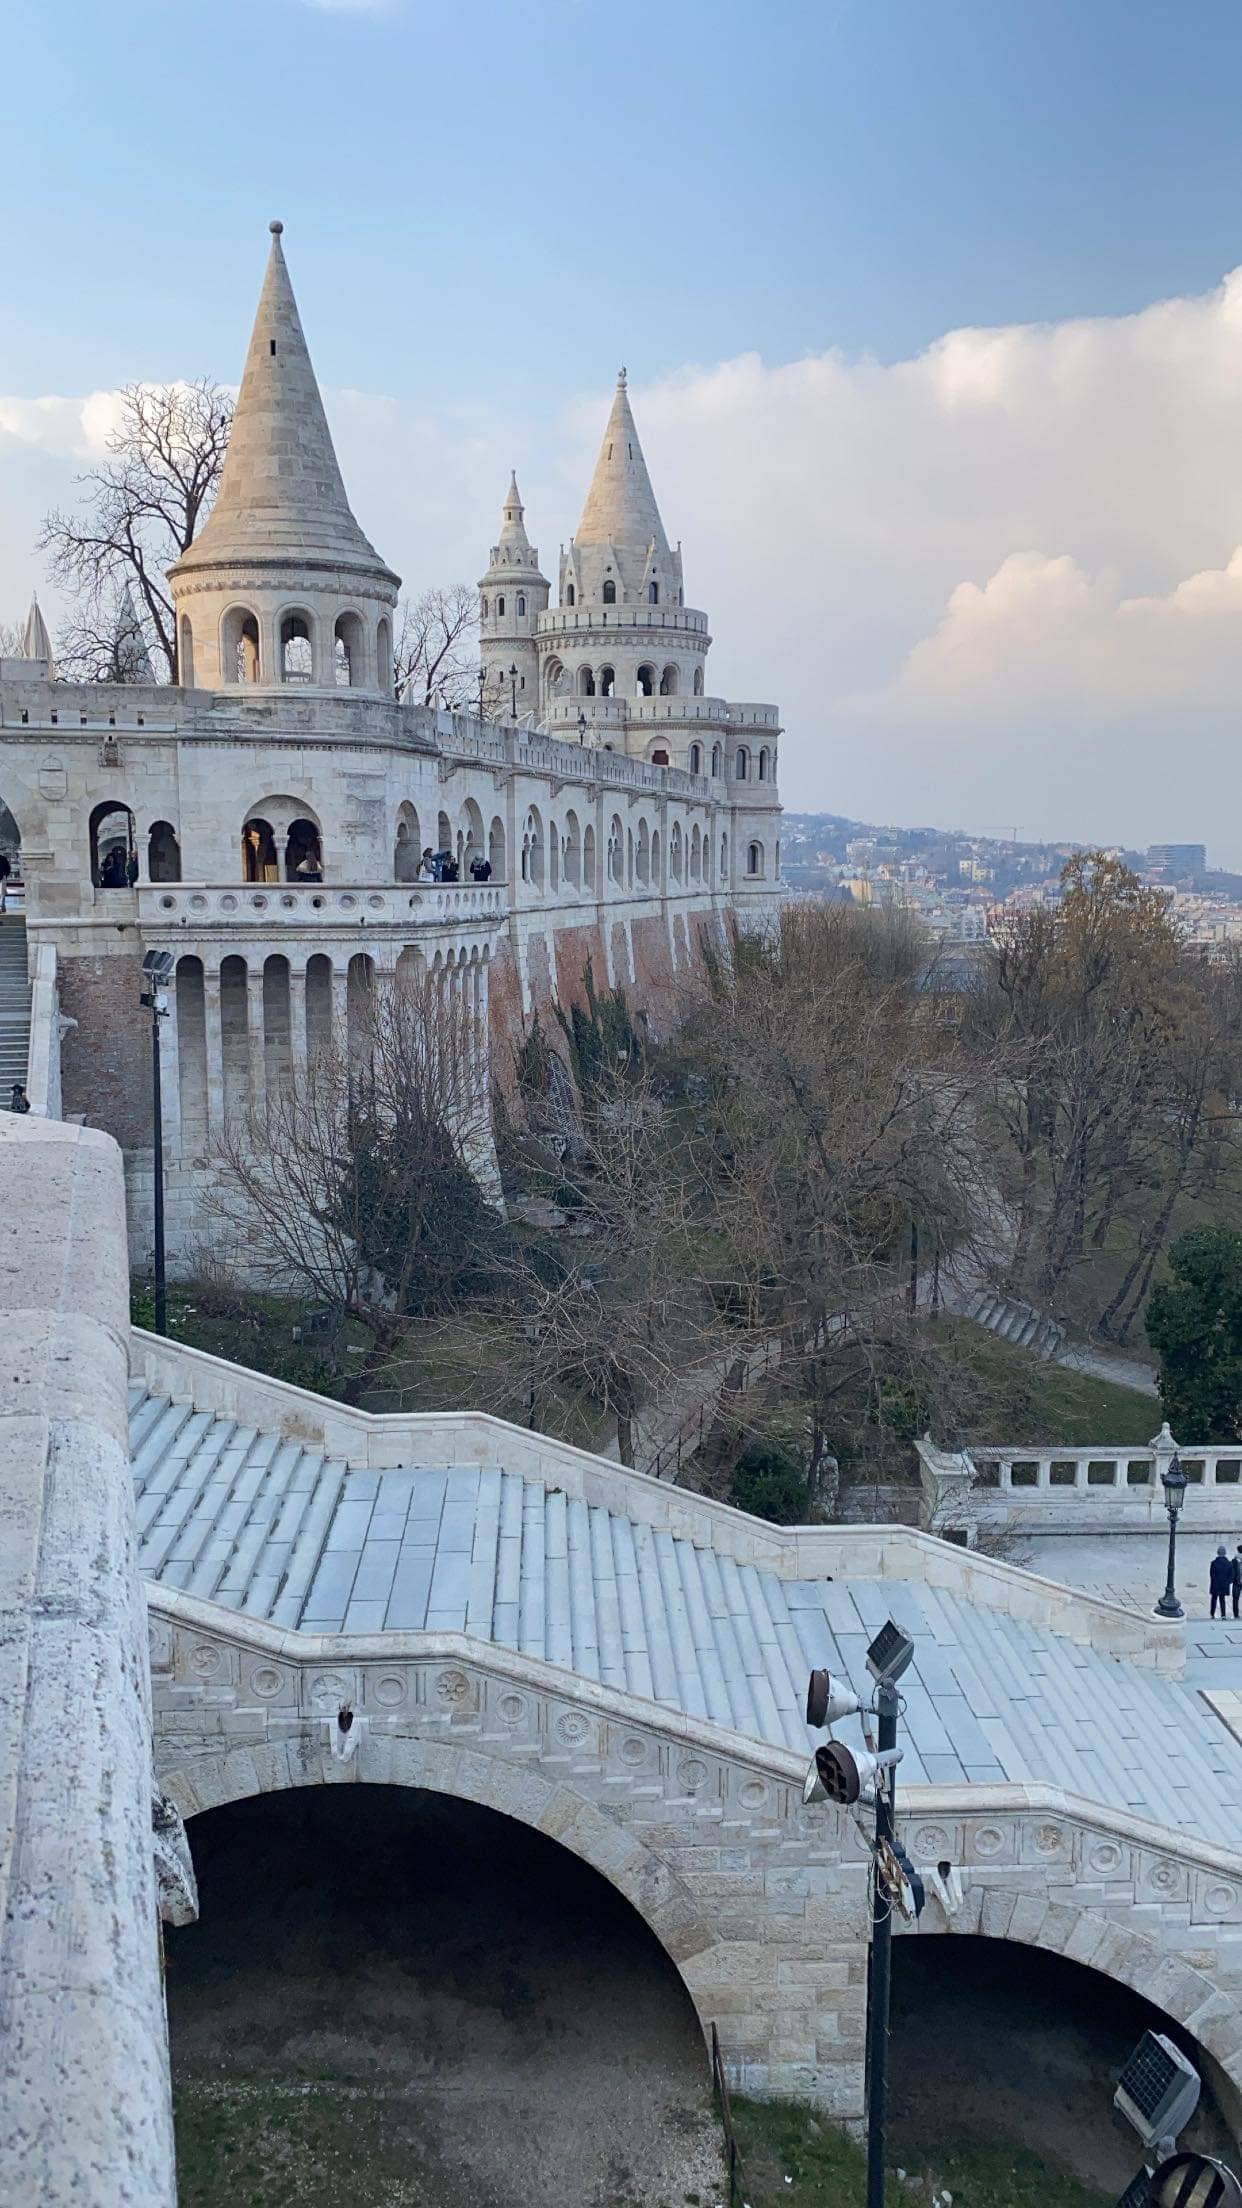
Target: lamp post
157 967
513 693
1173 1481
581 726
482 687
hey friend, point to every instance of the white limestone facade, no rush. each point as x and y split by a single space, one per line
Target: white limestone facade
264 818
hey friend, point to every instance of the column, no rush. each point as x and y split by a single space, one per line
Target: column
257 1039
215 1047
297 1016
340 1006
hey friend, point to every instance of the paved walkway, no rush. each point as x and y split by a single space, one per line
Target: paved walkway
1130 1568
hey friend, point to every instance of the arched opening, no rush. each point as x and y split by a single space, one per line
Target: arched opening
698 682
359 999
573 851
349 646
521 604
258 848
1048 2035
297 659
646 682
741 764
588 859
554 857
496 848
571 595
586 683
696 855
653 594
408 847
240 659
616 852
629 858
754 859
234 1035
607 681
554 678
610 592
185 653
473 845
532 849
383 656
724 858
303 852
655 858
360 1966
12 882
642 853
483 608
696 758
191 1056
114 858
715 762
659 757
277 1027
163 853
669 683
318 1003
763 763
674 851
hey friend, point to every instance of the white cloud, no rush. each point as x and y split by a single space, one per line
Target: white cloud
1000 581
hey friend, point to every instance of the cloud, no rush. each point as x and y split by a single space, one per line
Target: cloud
1000 581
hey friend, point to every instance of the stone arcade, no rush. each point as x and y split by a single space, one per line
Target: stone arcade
264 820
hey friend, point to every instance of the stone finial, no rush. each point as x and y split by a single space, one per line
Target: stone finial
276 228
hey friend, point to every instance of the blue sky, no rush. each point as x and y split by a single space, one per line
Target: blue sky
487 207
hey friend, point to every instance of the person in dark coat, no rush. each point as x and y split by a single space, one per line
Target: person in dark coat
1237 1577
1220 1579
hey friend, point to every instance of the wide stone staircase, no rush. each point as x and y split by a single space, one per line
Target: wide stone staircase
14 1004
1017 1322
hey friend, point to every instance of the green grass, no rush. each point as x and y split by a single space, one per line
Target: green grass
1028 1401
783 2140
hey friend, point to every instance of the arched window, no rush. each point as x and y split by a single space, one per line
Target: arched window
572 866
500 607
483 608
297 661
696 758
616 852
659 758
607 681
239 647
715 761
185 654
588 858
653 594
698 682
383 657
571 595
349 652
763 764
408 848
258 851
741 765
554 856
724 858
163 853
646 682
586 683
642 853
114 860
532 850
696 854
754 859
668 683
303 852
521 604
674 850
610 592
496 848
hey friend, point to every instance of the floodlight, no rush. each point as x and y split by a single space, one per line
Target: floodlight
1193 2181
889 1655
1158 2091
845 1773
1138 2192
826 1702
813 1789
158 964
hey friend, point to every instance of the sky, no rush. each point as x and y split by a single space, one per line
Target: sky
932 311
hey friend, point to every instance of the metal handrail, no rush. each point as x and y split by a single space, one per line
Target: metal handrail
737 2189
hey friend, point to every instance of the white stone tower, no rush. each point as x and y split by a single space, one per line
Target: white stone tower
281 586
622 630
512 595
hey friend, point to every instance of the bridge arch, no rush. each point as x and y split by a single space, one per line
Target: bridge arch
550 1805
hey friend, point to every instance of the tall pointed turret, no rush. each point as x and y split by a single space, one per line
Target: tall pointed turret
36 643
282 531
512 595
621 505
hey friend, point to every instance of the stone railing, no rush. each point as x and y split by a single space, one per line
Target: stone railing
1104 1488
539 752
377 1442
585 620
324 904
46 1024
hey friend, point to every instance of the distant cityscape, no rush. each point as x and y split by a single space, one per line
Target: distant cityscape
959 885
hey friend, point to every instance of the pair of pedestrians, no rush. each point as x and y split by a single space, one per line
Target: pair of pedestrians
1225 1579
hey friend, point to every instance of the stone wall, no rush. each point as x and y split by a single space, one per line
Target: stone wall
85 2114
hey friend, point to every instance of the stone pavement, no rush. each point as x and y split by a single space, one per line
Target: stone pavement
1130 1568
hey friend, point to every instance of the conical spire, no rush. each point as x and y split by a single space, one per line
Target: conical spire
133 656
512 525
281 496
620 505
36 643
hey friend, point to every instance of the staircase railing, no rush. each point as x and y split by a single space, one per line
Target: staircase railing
737 2189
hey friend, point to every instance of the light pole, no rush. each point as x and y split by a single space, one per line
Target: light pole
157 967
581 726
513 693
1173 1481
482 687
840 1775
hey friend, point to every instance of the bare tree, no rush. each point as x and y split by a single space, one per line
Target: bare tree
143 508
355 1181
12 639
436 659
106 642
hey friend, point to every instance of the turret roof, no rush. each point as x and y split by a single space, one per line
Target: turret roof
36 643
281 496
620 506
512 525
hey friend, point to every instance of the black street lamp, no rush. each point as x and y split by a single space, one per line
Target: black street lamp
157 966
1173 1481
581 726
513 692
482 687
